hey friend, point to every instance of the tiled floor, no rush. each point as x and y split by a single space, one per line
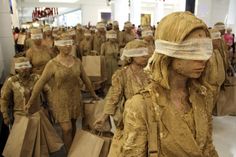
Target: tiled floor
224 135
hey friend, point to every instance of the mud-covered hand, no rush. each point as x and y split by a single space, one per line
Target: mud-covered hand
95 97
27 107
99 124
6 121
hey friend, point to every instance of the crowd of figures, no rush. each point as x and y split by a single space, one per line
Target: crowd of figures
162 87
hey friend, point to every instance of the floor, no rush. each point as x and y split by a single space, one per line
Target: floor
224 135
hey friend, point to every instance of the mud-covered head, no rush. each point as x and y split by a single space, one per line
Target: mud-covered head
183 44
135 51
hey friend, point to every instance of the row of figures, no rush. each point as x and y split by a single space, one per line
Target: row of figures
158 95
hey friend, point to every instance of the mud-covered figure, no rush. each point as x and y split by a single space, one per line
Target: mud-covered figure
110 50
38 54
115 27
147 35
100 37
79 34
125 83
65 74
86 43
31 125
126 36
18 88
75 48
28 42
222 46
172 116
214 74
47 37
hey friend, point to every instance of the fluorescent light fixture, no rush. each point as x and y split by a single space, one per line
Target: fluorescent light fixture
58 1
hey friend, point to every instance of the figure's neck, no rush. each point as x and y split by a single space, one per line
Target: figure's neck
178 82
63 55
136 67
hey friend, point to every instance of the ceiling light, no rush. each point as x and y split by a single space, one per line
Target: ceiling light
58 1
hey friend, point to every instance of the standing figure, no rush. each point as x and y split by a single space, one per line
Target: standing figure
125 83
28 42
18 88
65 74
126 36
79 34
86 44
220 26
214 75
38 54
110 50
147 35
115 27
172 116
100 37
47 37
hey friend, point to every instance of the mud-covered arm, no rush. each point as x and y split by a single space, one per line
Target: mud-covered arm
38 87
6 95
103 49
135 128
115 93
121 39
28 54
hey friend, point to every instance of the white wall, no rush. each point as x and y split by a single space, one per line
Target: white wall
212 11
91 13
15 15
231 21
6 37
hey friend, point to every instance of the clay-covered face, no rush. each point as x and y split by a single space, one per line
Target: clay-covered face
216 43
24 73
115 27
37 42
148 38
48 33
65 49
142 61
113 40
101 29
128 29
190 68
222 32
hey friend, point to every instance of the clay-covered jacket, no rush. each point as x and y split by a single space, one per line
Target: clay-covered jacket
153 127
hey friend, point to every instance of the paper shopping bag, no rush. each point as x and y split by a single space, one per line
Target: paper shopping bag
86 144
93 110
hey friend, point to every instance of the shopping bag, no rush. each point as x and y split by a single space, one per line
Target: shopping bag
32 136
95 67
107 137
21 140
226 103
21 39
93 110
31 133
52 139
85 144
13 147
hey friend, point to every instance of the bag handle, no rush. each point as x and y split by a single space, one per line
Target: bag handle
152 121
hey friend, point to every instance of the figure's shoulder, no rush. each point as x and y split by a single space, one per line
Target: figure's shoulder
121 72
12 79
